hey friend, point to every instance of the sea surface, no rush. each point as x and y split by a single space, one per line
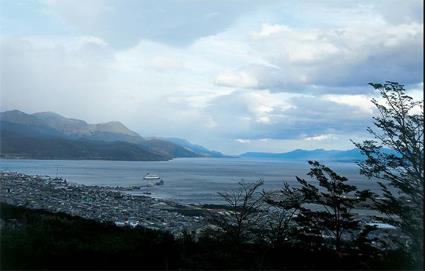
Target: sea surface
186 180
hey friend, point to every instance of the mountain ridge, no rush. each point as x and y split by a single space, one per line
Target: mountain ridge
196 148
18 128
76 128
303 155
352 155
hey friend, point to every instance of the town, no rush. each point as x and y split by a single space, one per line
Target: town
104 204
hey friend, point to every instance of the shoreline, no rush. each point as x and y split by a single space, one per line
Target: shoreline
112 160
100 203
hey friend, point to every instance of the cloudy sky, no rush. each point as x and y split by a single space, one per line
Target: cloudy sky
233 75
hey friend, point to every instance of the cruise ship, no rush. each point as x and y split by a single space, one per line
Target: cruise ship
152 179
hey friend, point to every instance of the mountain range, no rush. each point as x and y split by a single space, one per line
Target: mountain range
318 154
48 135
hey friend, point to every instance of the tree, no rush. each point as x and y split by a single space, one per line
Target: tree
331 214
244 204
282 208
395 157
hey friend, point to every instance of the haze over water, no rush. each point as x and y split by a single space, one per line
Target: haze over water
187 180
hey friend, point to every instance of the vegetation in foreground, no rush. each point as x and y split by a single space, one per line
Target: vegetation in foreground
319 212
34 239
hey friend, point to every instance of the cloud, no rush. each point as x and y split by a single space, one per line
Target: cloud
232 75
243 141
362 102
55 74
336 60
239 79
83 15
124 23
153 88
321 137
261 114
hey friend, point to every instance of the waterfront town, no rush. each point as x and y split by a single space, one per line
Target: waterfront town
120 206
104 204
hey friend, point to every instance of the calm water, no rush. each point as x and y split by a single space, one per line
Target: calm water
187 180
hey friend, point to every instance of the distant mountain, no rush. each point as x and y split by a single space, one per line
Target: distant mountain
304 155
19 117
198 149
74 128
37 142
13 146
167 148
49 135
76 139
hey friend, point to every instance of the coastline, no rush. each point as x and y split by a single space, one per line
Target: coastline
100 203
83 159
6 157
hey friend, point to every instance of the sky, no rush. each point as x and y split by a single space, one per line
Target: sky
232 75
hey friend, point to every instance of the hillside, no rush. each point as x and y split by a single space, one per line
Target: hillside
75 243
167 148
39 144
74 128
198 149
48 135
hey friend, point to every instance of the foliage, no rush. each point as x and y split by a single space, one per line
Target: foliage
400 172
330 212
281 209
243 204
34 239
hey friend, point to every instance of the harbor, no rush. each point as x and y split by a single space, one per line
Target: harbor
104 204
